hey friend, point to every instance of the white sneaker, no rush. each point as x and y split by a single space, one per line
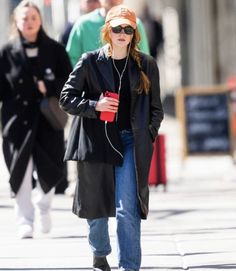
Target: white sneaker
45 223
25 231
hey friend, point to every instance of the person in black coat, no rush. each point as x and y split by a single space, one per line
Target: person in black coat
32 66
113 155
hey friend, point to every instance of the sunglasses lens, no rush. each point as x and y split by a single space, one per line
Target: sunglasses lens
128 30
117 29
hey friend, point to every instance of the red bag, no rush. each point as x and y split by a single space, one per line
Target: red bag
157 172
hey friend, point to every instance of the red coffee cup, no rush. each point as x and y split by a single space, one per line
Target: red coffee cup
105 115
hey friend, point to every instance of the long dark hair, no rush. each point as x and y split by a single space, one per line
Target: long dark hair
144 84
24 3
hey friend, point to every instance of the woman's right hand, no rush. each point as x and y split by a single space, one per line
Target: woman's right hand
41 87
107 104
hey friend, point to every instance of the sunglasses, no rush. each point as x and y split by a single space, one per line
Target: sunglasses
127 29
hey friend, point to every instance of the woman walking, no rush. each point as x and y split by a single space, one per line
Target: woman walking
32 66
113 155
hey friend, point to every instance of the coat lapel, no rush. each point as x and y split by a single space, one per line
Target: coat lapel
20 56
17 48
134 76
44 56
104 65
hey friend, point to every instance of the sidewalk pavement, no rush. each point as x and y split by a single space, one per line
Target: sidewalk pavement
192 226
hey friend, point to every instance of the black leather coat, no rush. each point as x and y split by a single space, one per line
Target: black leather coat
87 142
25 131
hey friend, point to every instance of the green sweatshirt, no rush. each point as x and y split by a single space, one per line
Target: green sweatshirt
85 36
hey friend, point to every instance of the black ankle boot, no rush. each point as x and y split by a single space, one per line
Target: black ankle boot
100 264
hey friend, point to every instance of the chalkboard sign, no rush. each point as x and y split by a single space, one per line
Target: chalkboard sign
205 118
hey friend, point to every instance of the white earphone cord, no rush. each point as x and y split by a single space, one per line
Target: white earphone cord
119 88
120 75
110 141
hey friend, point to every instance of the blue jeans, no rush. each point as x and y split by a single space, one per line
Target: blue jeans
127 215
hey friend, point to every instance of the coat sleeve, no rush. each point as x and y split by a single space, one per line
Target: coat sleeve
73 96
4 84
156 110
143 44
